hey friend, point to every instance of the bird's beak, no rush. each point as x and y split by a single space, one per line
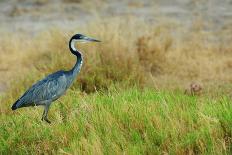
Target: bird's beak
91 39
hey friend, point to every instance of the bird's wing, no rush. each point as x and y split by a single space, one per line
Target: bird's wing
48 89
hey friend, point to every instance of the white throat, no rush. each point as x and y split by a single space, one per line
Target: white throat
73 45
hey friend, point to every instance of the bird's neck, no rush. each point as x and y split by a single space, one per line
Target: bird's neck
77 67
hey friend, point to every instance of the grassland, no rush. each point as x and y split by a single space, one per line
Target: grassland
131 121
128 98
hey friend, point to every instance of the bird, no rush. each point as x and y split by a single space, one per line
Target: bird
52 87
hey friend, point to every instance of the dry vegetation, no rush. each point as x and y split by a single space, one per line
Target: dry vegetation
161 56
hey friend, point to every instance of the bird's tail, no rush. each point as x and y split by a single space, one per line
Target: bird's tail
14 106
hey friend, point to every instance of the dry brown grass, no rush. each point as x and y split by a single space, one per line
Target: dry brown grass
131 52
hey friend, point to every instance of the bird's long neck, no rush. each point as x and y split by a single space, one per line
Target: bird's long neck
77 67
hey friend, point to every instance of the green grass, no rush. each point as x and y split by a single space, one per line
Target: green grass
130 121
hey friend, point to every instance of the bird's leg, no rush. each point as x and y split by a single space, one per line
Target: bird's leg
45 116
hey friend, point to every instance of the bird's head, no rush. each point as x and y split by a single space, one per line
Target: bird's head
83 38
80 38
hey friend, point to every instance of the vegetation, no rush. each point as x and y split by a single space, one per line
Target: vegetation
129 97
131 121
154 56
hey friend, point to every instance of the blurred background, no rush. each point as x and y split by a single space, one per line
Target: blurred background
161 44
35 15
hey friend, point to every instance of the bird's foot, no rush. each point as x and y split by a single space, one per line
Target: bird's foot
47 120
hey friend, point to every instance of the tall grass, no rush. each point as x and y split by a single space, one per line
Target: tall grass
122 122
131 52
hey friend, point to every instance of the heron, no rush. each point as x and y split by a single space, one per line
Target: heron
52 87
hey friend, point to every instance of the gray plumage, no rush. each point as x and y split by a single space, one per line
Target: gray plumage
49 89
